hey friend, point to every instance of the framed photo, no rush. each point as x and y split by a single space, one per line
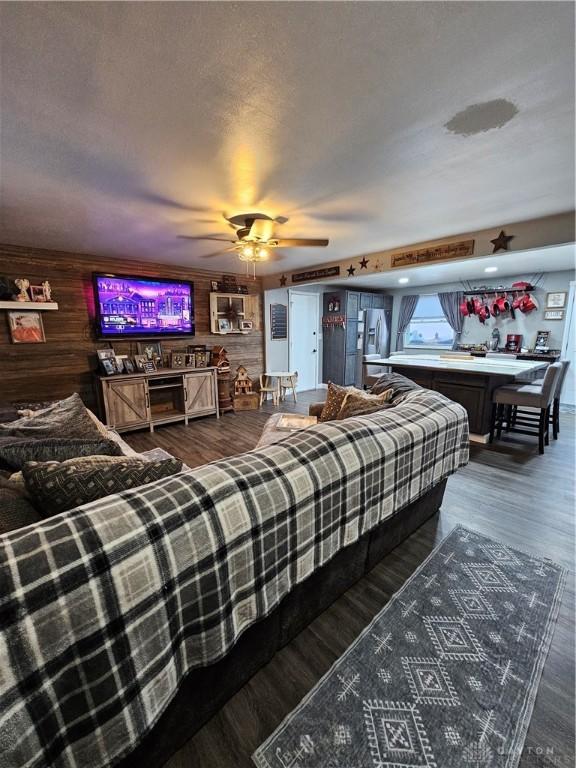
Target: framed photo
152 350
246 325
108 367
26 327
37 293
149 366
128 365
556 300
542 341
200 359
224 325
554 314
178 360
214 285
139 361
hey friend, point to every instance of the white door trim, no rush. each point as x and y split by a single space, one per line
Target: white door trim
292 292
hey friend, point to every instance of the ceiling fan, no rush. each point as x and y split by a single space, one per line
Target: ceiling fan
255 238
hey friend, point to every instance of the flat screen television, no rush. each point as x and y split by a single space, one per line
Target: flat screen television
128 306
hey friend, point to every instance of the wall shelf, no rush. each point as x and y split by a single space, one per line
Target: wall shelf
37 305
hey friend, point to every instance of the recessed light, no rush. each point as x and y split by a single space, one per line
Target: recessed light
490 269
403 280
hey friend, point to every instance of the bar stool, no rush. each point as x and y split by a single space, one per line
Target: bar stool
505 398
555 414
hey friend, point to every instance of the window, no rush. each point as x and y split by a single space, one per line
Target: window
428 327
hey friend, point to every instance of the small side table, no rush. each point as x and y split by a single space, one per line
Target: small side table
280 376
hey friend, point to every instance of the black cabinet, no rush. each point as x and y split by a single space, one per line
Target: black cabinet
340 344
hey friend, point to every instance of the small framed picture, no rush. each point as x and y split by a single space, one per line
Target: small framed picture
224 325
109 356
139 361
213 285
108 367
542 340
190 360
149 366
246 325
26 327
200 361
152 350
178 360
556 300
37 293
128 365
554 314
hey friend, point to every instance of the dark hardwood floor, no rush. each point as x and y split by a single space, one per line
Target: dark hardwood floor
507 491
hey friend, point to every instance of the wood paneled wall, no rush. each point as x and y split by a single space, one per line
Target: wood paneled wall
66 362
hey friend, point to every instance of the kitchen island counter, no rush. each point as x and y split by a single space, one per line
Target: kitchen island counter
468 381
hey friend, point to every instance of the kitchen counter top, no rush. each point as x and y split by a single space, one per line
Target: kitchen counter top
478 365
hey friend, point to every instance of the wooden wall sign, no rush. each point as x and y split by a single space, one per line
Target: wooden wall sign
279 321
315 274
437 253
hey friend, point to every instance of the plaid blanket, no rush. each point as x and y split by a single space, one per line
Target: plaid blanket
104 609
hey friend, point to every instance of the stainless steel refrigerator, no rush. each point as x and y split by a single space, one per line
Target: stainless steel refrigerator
373 337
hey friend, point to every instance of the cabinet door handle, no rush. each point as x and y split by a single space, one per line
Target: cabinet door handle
147 400
185 394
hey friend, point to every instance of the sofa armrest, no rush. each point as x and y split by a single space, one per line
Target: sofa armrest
315 409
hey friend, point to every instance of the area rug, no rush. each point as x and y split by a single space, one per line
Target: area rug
444 677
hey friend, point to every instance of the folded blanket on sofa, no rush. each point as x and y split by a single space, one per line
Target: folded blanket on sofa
105 608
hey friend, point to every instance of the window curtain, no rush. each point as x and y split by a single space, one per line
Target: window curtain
450 303
407 308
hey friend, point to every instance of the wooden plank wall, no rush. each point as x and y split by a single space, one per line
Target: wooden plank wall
65 363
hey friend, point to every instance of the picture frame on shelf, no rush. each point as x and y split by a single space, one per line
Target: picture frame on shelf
107 354
139 361
178 360
190 360
224 325
26 327
37 294
246 325
152 350
554 314
129 366
556 299
541 344
108 367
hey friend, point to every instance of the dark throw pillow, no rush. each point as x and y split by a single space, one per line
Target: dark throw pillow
16 451
56 487
395 381
362 403
16 511
334 399
67 418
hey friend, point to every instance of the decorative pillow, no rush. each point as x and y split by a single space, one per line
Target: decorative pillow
399 384
16 511
66 418
360 404
334 399
57 487
16 451
14 482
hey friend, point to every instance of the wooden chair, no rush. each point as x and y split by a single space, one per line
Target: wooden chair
269 386
288 382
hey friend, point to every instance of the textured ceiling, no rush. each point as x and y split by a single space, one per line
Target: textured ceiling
126 124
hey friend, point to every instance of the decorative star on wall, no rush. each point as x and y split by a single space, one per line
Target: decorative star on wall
364 263
351 270
283 280
501 242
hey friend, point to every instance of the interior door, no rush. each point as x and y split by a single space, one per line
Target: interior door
569 349
303 347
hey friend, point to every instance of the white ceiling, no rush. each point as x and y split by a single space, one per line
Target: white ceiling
527 263
126 124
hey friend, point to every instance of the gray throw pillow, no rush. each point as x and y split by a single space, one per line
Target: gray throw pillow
16 511
16 451
67 418
56 487
395 381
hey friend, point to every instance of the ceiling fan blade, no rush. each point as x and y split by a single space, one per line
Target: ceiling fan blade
207 237
217 253
262 229
302 242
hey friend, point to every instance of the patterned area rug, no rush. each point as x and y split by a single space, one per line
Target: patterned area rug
444 677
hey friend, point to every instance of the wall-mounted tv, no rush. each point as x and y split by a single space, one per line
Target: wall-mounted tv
128 307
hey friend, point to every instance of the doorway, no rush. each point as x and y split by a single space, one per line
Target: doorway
569 348
303 338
